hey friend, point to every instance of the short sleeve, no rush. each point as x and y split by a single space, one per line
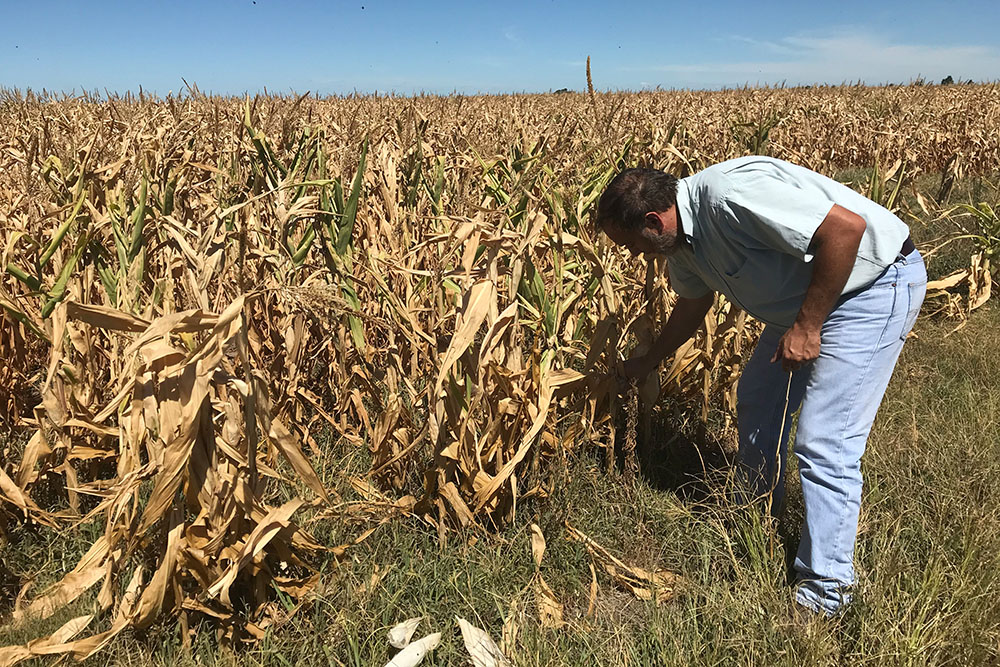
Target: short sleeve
685 282
777 212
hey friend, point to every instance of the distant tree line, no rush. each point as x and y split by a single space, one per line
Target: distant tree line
947 81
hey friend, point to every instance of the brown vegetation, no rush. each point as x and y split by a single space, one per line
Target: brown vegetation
195 288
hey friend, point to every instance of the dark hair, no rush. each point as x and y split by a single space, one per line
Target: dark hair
632 194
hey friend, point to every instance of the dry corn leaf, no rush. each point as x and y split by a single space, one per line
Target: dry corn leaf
511 626
537 544
550 610
980 281
51 645
478 302
401 633
645 585
481 647
486 493
292 451
11 493
265 531
87 572
415 652
948 282
592 598
103 317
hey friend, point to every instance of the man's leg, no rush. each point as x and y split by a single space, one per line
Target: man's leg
760 407
861 341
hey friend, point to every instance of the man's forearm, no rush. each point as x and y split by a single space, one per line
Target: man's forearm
835 252
684 320
835 246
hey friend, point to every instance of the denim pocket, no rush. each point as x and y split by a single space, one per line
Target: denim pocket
915 299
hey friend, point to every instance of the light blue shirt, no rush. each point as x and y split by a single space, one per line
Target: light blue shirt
749 222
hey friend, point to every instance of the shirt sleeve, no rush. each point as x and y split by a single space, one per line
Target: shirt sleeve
777 212
685 282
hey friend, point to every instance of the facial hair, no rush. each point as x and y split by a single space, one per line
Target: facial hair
665 243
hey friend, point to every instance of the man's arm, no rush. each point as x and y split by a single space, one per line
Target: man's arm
835 248
684 320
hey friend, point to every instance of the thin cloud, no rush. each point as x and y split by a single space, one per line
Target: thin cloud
765 45
510 34
842 56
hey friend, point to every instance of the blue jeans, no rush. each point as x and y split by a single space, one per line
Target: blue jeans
839 393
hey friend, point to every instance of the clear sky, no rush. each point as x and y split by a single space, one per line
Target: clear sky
237 46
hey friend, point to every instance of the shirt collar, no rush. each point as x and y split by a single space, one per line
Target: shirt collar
685 211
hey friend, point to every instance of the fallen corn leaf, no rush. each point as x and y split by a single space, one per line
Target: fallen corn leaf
415 652
401 633
550 610
537 544
645 585
481 647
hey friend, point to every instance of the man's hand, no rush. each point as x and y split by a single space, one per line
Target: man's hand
637 368
797 347
634 370
687 316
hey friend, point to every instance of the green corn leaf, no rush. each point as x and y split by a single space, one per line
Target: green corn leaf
351 209
437 190
121 245
300 152
333 263
273 170
579 329
304 245
61 232
33 283
875 185
275 163
168 197
338 196
320 159
895 191
138 222
357 329
23 319
58 291
109 278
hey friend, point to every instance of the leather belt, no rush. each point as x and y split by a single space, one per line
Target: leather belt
908 247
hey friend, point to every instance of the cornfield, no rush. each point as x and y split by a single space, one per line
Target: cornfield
195 289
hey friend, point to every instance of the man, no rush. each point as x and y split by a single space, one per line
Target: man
838 283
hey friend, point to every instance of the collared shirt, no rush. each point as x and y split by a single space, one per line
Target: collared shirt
748 223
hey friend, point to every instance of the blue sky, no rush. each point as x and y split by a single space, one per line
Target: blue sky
231 47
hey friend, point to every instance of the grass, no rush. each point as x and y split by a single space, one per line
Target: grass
928 556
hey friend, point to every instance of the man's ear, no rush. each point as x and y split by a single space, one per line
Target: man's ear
653 222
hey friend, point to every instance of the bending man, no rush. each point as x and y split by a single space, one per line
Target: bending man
837 281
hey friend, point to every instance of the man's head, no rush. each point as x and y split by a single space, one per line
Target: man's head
638 210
